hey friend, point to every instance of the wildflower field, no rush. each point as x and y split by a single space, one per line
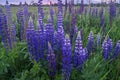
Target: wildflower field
62 42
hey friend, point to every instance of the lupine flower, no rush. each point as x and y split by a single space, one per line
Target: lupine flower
81 9
55 38
102 17
59 19
60 6
45 39
1 13
82 5
8 14
40 9
66 59
90 44
26 17
41 22
29 37
20 19
40 41
51 62
117 49
4 32
112 11
10 25
80 54
50 31
110 47
107 48
60 37
36 46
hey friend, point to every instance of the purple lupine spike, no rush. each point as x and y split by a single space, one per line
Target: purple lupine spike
82 5
116 50
90 44
66 59
4 32
59 19
29 38
107 48
51 62
80 54
41 38
36 47
60 6
81 9
1 13
110 47
40 8
45 39
78 49
112 11
26 18
41 22
50 31
20 19
60 37
105 52
102 17
13 35
8 14
55 38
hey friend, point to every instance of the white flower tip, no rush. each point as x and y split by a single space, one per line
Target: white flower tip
67 36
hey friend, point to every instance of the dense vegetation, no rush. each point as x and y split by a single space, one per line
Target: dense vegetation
60 43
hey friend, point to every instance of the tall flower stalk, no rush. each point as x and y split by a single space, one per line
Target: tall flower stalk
26 18
51 62
90 44
80 54
4 32
20 20
107 48
66 59
112 11
29 37
50 31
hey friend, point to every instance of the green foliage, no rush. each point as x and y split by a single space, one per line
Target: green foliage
16 65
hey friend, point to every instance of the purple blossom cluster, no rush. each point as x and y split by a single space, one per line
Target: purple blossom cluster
8 29
80 54
4 32
40 8
66 59
112 11
20 20
51 62
90 44
107 48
